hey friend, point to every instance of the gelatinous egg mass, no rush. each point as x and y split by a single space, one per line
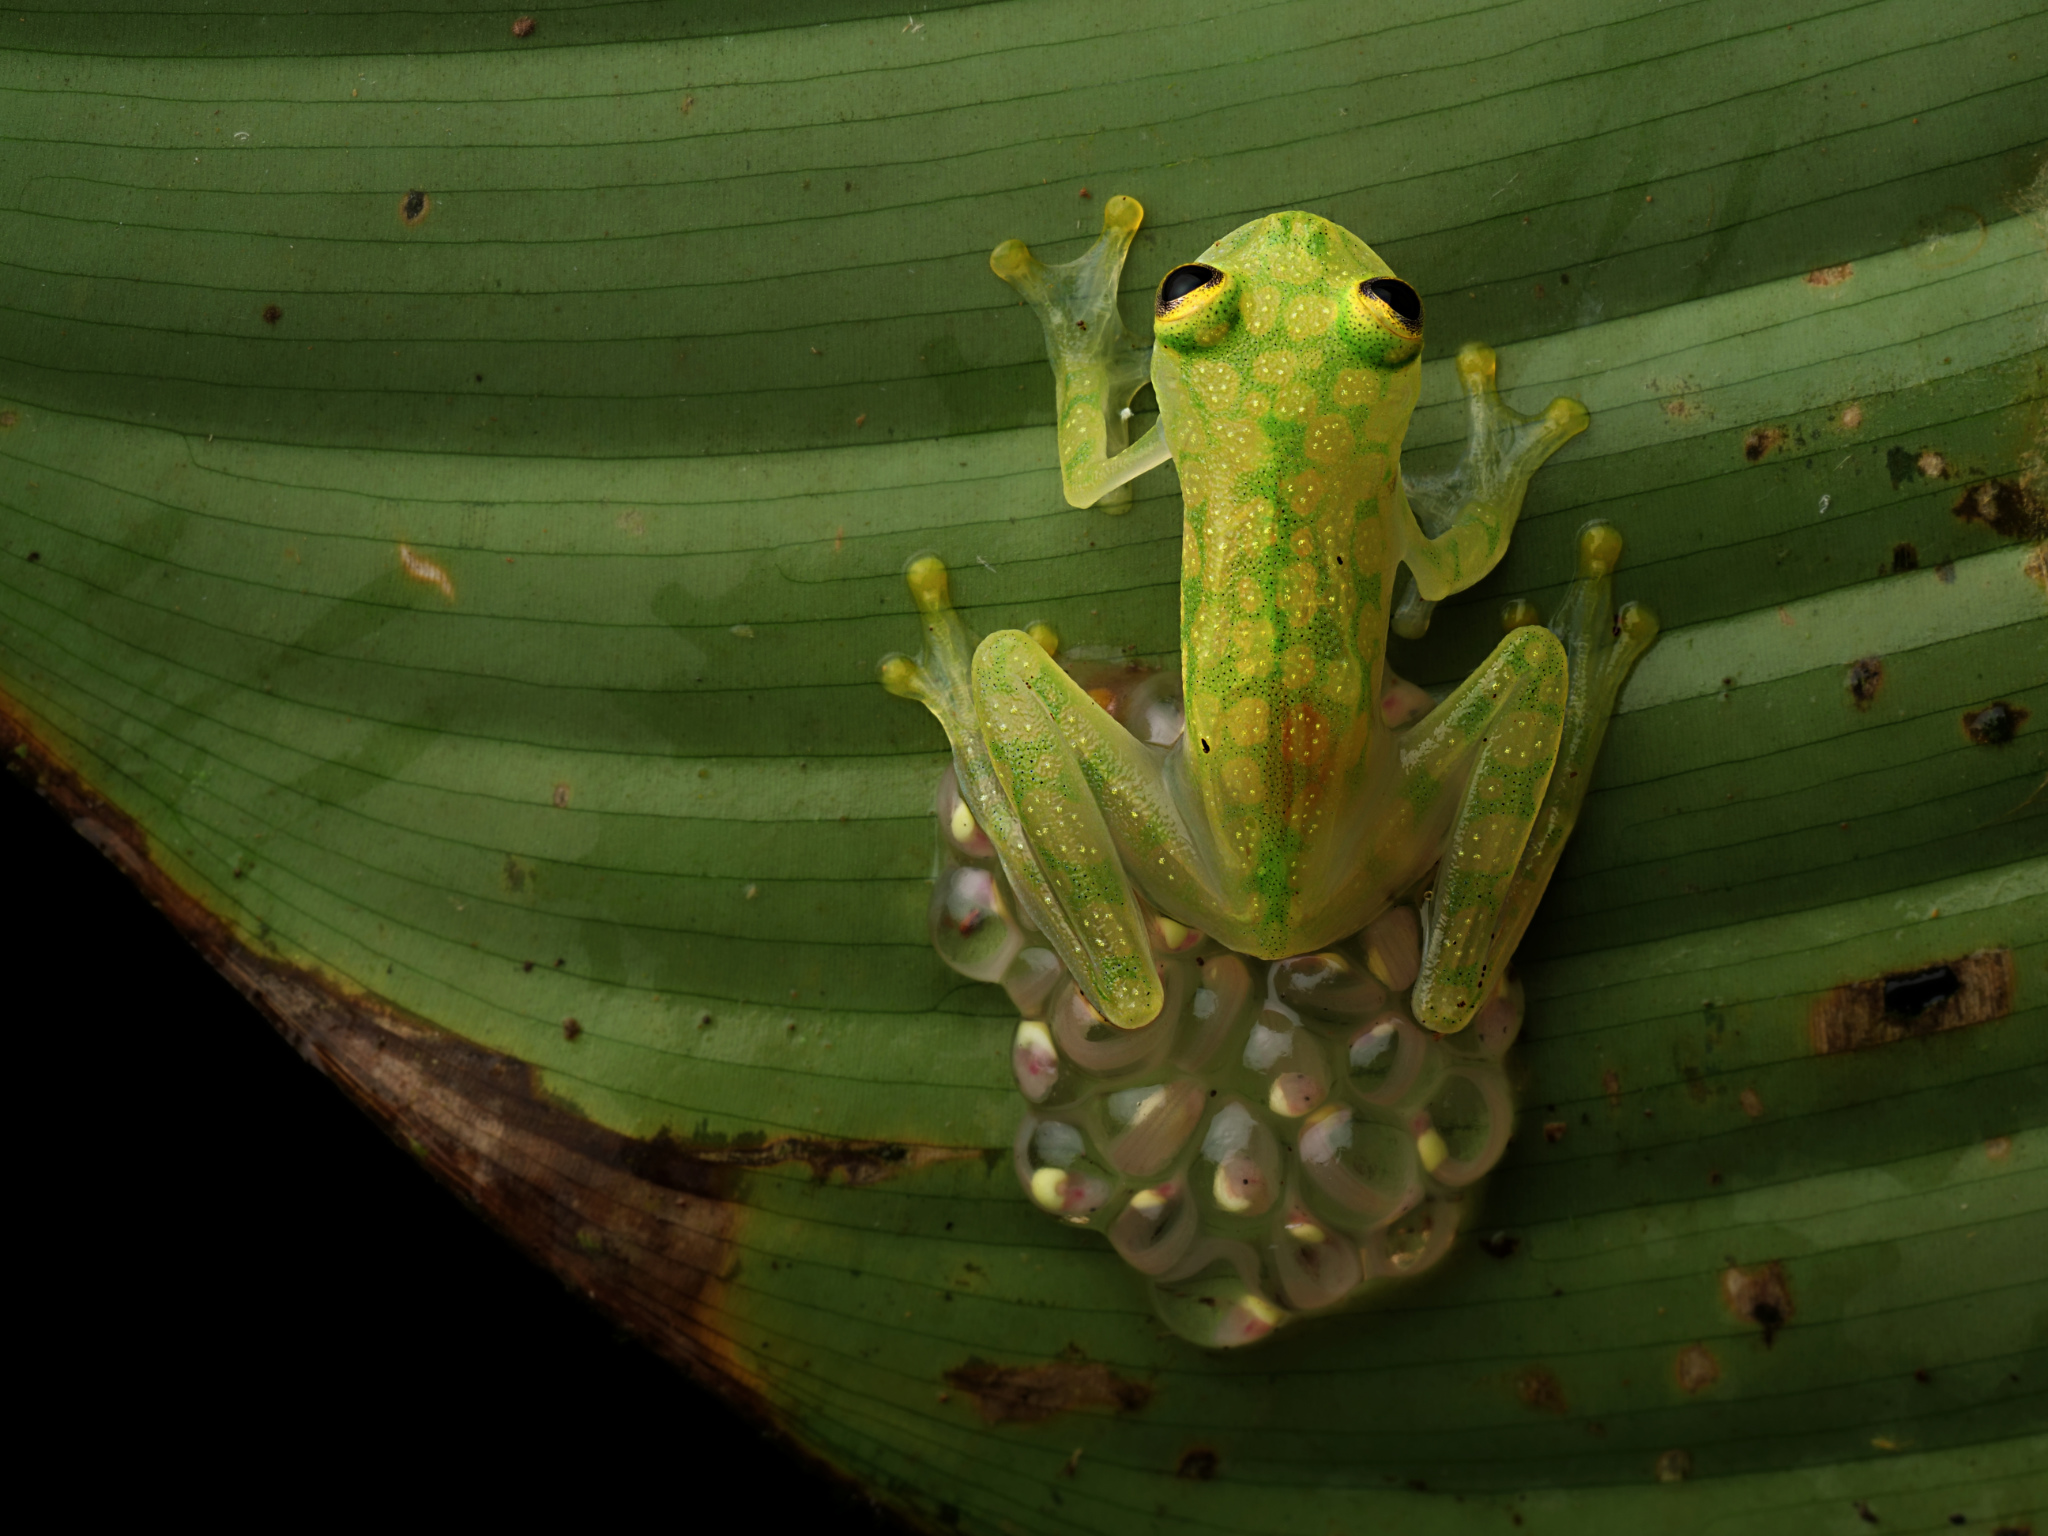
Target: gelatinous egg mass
1280 1140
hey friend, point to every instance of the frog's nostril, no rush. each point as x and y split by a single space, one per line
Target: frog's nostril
1404 301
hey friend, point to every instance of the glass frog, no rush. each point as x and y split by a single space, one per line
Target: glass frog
1295 811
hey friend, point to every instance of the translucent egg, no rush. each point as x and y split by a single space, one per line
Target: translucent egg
970 926
1280 1140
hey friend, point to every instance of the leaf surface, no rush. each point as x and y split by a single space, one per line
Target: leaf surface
455 488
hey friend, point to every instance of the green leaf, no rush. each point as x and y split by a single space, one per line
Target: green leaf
460 610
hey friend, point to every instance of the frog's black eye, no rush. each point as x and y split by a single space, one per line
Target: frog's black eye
1181 282
1404 301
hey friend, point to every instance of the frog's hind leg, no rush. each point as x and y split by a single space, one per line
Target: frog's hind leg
1497 736
1505 845
1008 711
1603 644
1462 519
1096 365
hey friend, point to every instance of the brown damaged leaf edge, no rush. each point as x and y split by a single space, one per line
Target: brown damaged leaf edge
643 1227
1902 1005
1027 1394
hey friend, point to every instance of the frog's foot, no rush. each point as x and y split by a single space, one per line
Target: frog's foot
940 677
1601 645
1468 513
1097 366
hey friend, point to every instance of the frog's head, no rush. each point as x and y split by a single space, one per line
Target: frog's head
1293 296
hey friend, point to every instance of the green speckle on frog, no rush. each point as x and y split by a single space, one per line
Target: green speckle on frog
1294 814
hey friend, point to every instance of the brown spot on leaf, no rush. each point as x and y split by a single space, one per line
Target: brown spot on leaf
1027 1394
1995 724
1903 1005
1998 1148
1196 1466
1904 558
560 797
272 314
1759 1295
1610 1084
1852 417
2034 567
1932 464
1863 679
1553 1130
829 1158
1828 277
1761 442
571 1030
415 206
1501 1245
1697 1368
1538 1388
8 419
1752 1104
523 27
1674 1466
2008 508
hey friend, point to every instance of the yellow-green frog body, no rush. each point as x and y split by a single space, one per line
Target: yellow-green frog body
1302 796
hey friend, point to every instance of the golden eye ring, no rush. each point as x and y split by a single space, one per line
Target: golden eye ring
1394 301
1182 288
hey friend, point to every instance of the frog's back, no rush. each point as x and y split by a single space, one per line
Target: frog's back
1285 385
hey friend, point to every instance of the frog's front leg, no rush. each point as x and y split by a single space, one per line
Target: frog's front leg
1065 793
1097 367
1459 523
1529 724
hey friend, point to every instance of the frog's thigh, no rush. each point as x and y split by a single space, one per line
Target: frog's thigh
1504 722
1022 699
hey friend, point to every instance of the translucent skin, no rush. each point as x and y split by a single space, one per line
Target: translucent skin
1302 797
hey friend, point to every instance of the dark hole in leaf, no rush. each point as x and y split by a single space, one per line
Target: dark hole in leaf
1912 994
1994 725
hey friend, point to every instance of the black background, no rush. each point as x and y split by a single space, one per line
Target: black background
237 1277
